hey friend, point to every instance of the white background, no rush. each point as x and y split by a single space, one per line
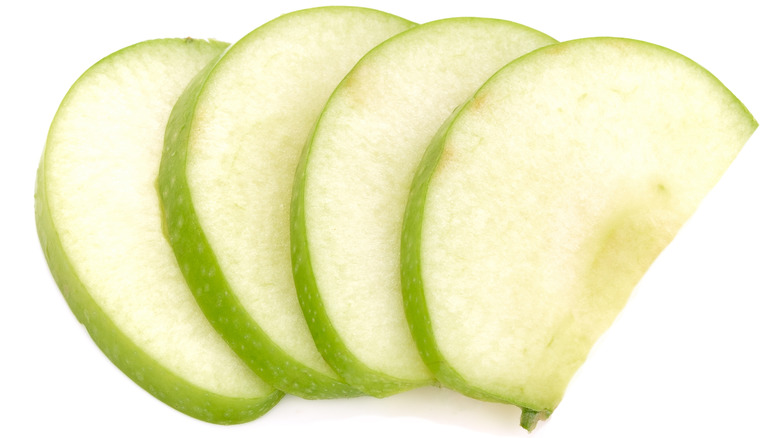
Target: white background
694 353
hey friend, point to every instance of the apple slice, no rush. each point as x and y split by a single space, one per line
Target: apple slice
353 181
99 222
541 203
226 179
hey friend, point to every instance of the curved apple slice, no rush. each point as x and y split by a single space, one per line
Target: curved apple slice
99 222
353 181
543 201
226 182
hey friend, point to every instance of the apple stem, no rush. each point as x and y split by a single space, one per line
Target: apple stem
530 417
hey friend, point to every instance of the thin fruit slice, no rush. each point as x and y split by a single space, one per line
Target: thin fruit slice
226 182
99 222
353 181
540 205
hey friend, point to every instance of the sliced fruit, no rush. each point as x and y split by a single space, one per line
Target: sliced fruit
353 181
226 181
542 202
99 222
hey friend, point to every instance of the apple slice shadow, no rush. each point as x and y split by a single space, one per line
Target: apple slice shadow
437 405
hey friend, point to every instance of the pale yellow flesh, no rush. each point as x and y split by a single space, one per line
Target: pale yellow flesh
558 186
364 152
102 159
250 125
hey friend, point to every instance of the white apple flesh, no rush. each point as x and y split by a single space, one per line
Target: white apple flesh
543 201
99 222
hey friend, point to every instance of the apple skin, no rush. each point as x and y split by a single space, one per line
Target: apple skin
146 372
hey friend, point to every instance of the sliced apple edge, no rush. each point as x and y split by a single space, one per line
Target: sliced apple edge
415 303
124 353
157 380
414 299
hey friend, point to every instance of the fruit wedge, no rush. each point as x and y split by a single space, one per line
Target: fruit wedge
353 181
542 202
226 179
99 222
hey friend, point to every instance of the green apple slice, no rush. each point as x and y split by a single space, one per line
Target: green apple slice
353 181
226 179
542 202
99 222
